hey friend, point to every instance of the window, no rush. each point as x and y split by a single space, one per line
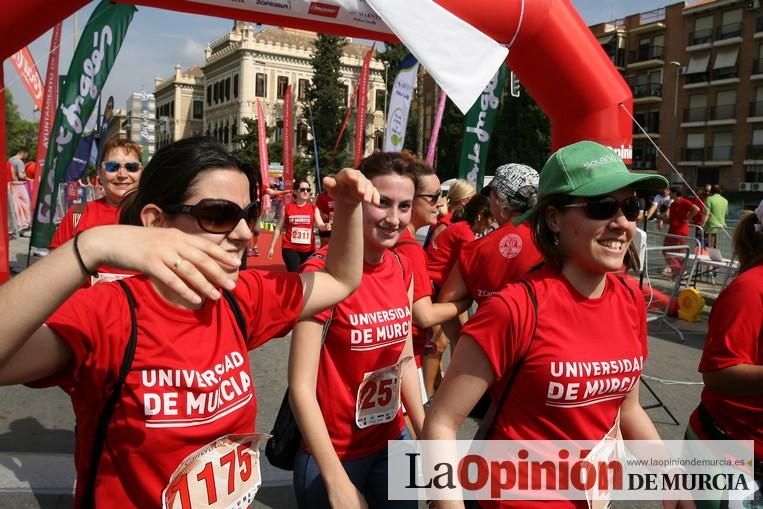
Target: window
227 89
703 31
725 65
283 82
198 110
696 71
725 105
755 150
378 140
216 89
722 147
302 87
697 111
731 24
172 109
707 176
278 134
233 130
235 86
301 134
260 85
209 95
753 173
695 147
226 129
381 99
344 92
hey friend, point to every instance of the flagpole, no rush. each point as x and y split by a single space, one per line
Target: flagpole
315 151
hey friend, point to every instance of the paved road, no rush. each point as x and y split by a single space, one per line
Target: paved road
36 426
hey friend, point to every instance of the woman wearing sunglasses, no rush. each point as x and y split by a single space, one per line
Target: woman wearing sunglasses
538 359
345 391
119 174
189 381
296 228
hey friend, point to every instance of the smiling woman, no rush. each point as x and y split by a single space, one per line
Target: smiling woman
583 225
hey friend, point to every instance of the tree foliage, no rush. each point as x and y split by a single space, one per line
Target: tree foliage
249 148
20 133
325 101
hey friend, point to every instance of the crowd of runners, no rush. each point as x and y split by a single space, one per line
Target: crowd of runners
544 255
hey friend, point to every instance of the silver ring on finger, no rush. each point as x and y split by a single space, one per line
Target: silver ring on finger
177 263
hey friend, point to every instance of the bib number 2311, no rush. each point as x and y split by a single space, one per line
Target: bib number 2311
378 399
223 474
301 235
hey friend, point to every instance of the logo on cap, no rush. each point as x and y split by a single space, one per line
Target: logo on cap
590 165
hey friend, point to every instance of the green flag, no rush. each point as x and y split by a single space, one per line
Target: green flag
92 61
478 126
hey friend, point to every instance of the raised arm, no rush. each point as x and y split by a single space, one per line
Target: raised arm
49 282
344 260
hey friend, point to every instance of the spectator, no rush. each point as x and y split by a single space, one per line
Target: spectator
18 165
717 208
680 214
660 205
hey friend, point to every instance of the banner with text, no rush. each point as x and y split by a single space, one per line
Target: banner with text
400 104
288 141
360 127
262 143
479 124
93 59
23 61
48 110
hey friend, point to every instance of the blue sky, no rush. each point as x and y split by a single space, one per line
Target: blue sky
159 39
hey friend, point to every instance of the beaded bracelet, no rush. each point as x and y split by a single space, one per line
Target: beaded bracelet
79 257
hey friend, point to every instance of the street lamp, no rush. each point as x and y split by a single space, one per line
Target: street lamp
678 66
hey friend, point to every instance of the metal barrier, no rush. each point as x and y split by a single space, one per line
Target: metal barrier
666 267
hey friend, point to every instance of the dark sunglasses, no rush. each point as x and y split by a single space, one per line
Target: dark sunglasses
431 199
304 189
605 207
218 216
112 166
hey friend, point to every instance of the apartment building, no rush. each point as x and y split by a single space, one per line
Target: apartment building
250 64
696 71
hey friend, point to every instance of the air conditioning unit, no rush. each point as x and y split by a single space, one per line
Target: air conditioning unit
745 186
752 4
756 186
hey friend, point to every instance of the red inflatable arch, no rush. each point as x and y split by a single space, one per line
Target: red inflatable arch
554 54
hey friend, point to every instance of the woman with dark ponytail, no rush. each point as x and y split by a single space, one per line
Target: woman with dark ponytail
162 349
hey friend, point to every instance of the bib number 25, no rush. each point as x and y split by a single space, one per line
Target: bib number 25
378 399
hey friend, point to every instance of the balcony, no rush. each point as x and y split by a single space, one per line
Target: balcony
701 37
757 66
698 77
723 112
728 31
649 163
646 52
759 25
647 90
755 152
725 73
719 152
693 154
695 114
756 109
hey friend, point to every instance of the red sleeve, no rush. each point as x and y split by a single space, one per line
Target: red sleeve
92 322
735 329
65 230
272 301
417 259
503 326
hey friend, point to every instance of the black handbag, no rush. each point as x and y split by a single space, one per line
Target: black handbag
281 448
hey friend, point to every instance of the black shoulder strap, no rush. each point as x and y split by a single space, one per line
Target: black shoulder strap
88 501
487 424
233 303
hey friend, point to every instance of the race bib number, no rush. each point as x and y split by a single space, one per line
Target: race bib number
222 474
301 235
378 399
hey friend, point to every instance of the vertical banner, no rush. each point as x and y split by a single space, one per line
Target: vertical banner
24 63
436 128
262 139
48 111
346 117
288 141
400 104
145 127
103 130
5 256
479 124
360 128
93 59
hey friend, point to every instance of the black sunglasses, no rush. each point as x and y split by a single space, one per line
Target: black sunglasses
112 166
605 207
431 199
218 216
304 189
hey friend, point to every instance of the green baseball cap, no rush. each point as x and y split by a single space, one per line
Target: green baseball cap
587 168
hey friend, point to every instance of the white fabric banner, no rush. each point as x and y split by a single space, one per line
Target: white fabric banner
400 105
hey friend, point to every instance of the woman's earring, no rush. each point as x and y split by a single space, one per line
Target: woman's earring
556 239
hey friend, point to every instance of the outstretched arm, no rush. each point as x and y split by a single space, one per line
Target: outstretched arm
277 233
344 260
49 282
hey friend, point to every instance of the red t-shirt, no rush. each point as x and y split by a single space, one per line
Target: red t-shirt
409 248
95 213
189 383
679 216
30 169
735 336
500 257
298 227
578 368
700 216
325 204
442 252
368 332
